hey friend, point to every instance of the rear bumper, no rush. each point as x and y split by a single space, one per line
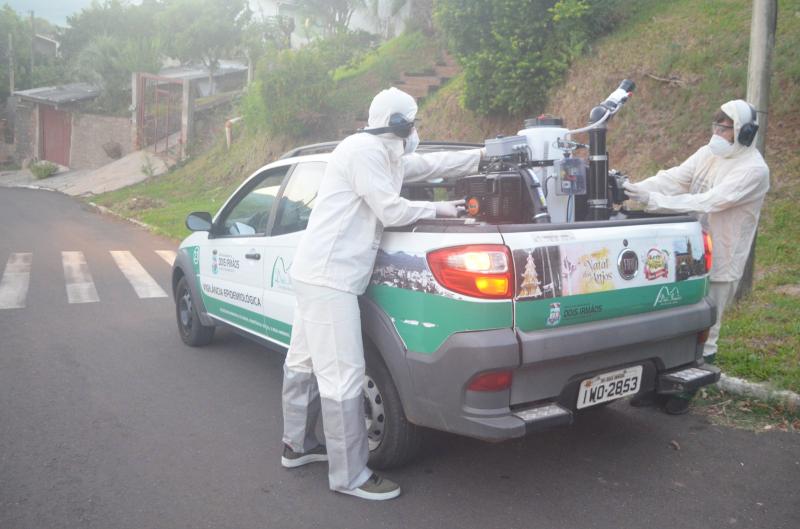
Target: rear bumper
684 379
548 367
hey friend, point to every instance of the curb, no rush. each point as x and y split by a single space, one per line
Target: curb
761 391
107 211
32 186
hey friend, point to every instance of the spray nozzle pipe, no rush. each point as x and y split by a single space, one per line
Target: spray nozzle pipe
610 106
620 95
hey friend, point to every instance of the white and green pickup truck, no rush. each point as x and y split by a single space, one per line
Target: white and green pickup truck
486 329
509 320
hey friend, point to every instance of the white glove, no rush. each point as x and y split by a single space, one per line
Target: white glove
635 192
448 209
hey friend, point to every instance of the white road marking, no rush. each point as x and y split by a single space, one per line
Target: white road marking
142 282
80 286
167 255
14 284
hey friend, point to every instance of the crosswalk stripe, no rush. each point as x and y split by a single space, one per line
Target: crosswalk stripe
167 255
80 286
142 282
14 284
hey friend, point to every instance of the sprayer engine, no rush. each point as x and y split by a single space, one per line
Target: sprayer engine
534 177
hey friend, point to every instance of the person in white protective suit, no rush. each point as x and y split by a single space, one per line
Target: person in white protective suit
359 195
725 183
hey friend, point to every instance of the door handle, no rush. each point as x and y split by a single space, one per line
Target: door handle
253 255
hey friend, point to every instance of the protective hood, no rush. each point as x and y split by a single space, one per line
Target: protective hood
741 113
388 102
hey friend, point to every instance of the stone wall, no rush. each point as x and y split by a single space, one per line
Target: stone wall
90 132
25 130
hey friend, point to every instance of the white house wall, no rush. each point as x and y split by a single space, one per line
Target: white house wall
363 18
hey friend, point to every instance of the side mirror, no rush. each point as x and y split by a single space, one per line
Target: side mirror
199 221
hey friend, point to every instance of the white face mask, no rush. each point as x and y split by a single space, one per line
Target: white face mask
720 146
411 142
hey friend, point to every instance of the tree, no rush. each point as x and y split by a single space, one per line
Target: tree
332 15
114 18
514 51
107 62
204 30
47 70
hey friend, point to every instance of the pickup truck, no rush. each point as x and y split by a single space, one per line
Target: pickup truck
486 327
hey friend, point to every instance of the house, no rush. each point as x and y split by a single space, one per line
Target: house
229 76
50 124
379 17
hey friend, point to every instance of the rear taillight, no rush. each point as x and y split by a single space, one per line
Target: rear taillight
702 336
477 270
491 381
708 250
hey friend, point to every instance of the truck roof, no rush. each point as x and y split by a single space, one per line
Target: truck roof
424 147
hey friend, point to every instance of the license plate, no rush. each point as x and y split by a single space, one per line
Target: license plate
609 386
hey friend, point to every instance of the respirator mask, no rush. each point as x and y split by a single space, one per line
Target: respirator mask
720 146
411 142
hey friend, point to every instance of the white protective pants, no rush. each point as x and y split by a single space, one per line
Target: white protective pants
326 345
721 292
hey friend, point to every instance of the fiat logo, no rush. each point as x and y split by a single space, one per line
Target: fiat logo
628 264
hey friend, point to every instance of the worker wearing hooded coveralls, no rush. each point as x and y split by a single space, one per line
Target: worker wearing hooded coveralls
725 183
358 197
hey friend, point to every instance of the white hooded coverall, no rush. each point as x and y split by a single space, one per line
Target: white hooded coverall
727 193
358 196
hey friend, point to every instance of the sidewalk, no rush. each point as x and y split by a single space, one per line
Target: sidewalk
124 172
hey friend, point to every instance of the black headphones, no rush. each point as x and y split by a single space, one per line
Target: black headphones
747 132
398 125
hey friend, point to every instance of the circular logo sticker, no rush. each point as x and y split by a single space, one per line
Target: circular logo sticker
628 264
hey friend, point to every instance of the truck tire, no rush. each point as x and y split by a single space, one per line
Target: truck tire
393 441
193 333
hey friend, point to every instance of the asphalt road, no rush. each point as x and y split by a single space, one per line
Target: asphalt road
108 421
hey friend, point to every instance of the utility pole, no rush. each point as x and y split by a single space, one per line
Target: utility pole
759 69
10 63
33 46
759 66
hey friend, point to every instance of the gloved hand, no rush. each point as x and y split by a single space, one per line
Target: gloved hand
448 209
635 192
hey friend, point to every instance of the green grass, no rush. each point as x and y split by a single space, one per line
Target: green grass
734 411
202 184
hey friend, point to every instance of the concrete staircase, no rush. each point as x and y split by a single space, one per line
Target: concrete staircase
419 85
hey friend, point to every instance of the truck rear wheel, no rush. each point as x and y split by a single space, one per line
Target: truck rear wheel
393 441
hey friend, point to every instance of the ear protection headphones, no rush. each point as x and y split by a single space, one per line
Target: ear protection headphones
398 125
747 132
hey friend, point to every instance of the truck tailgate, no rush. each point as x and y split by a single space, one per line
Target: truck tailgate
588 297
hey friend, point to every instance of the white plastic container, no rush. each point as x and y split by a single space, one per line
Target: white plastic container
542 135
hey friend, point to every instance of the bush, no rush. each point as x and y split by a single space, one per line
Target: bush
43 169
291 94
514 51
294 87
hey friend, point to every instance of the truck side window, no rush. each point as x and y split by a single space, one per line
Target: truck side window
250 214
298 198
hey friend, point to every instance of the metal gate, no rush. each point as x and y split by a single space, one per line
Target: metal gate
55 136
158 119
